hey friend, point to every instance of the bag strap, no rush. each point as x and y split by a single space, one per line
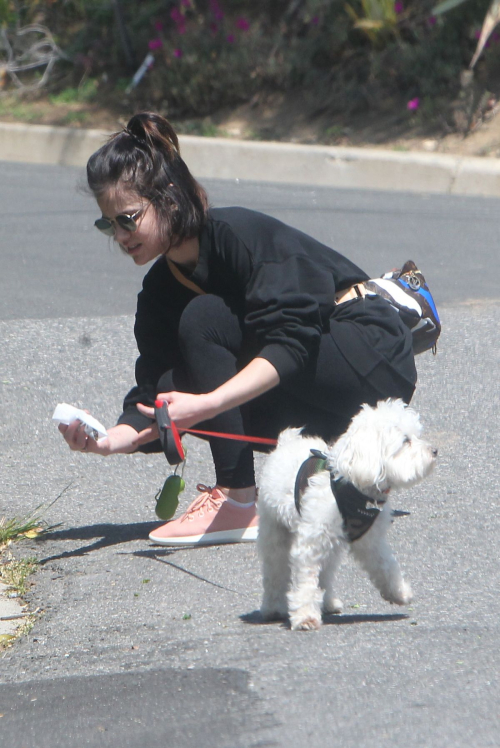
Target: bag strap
182 278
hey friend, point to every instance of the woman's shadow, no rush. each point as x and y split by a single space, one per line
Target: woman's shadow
103 535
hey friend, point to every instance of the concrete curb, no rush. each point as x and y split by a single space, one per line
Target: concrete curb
12 612
319 165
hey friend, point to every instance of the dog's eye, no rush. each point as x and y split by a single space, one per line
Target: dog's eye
407 440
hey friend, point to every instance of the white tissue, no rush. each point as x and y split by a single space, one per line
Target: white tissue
66 414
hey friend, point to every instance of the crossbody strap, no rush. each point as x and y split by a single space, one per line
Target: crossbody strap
182 278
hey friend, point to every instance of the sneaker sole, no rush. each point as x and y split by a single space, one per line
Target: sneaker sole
248 535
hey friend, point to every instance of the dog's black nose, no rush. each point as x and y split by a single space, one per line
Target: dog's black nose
434 452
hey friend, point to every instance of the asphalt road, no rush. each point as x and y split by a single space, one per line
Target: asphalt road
143 646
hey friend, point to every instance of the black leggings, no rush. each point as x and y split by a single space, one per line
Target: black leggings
322 401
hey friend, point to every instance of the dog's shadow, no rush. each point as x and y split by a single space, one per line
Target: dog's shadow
333 619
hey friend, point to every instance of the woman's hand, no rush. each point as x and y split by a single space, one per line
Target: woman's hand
185 409
121 439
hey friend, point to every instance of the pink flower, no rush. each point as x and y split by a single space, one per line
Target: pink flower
314 20
179 19
158 25
214 27
186 3
216 10
431 21
178 53
398 7
242 24
230 38
155 44
413 104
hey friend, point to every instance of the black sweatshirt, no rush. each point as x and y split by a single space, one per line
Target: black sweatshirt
281 282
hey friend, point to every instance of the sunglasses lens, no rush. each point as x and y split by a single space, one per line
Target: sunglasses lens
105 226
126 222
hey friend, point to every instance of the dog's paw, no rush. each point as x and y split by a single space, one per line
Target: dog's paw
305 624
401 596
332 605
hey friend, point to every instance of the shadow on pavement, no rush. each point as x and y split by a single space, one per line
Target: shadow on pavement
209 707
157 555
256 619
105 535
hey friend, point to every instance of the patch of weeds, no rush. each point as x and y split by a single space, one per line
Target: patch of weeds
71 95
121 85
15 110
255 135
18 527
204 129
334 133
29 525
75 118
15 573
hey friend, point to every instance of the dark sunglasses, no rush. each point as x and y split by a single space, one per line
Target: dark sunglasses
125 221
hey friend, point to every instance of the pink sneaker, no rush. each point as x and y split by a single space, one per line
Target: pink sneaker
209 520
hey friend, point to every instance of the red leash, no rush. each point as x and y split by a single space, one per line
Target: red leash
175 452
235 437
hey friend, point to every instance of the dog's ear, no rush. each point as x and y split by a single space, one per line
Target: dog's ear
360 461
358 455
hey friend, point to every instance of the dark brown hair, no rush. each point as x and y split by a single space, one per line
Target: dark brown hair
145 158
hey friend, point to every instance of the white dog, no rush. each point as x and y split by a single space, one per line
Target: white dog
303 529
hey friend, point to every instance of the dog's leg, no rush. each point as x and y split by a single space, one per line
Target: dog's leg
331 604
375 556
273 545
309 550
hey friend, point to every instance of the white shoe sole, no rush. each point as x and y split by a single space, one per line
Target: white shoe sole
248 535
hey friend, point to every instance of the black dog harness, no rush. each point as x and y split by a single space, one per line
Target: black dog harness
352 504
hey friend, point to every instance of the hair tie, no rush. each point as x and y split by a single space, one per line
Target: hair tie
135 138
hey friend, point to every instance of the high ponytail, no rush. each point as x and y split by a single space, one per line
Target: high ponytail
145 158
156 132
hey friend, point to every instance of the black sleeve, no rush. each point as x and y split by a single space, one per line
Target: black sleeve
288 307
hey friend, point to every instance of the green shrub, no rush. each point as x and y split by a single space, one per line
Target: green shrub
210 54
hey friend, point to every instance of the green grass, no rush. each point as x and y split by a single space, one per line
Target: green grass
21 112
72 95
18 527
29 525
72 118
15 573
203 129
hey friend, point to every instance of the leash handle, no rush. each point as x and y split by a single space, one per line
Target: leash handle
168 434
